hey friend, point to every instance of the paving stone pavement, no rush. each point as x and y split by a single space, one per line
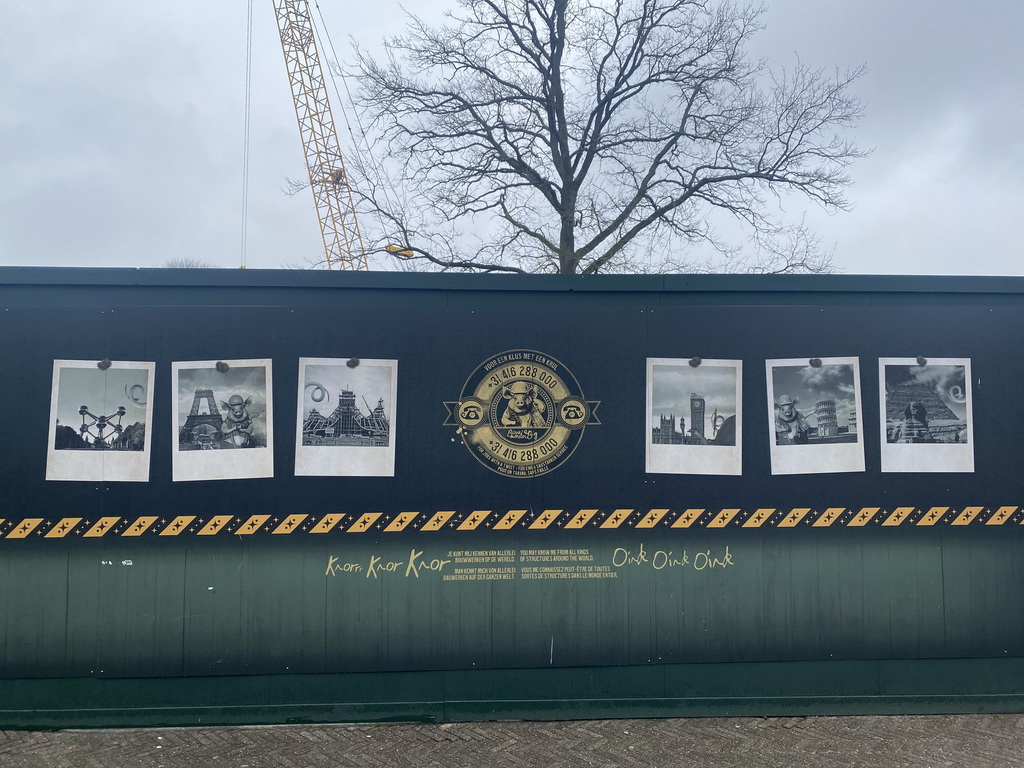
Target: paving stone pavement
962 740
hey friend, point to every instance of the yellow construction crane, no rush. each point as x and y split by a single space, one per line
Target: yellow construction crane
335 206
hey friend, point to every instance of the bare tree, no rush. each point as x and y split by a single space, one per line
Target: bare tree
584 136
189 262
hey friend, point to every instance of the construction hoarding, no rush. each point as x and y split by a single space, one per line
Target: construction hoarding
221 475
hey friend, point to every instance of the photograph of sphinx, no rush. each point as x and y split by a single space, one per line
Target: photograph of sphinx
926 409
926 403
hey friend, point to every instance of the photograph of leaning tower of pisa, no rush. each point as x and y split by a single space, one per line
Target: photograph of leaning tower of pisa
813 415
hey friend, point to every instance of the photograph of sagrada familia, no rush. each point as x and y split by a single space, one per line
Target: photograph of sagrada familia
347 424
352 421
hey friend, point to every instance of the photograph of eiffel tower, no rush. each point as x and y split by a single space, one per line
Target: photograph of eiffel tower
223 419
202 427
221 410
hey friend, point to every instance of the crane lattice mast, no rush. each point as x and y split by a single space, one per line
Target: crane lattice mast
343 242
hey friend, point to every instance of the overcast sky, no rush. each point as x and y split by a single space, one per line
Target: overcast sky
121 128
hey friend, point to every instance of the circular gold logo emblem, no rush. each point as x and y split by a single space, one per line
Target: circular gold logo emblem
521 413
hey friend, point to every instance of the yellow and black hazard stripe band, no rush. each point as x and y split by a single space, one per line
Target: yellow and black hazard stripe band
113 526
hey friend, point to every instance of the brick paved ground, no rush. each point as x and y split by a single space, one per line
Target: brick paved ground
973 741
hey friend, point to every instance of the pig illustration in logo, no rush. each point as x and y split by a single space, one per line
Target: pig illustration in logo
523 408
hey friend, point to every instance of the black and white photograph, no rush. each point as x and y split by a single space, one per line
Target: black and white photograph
813 415
222 418
100 420
926 411
694 416
346 417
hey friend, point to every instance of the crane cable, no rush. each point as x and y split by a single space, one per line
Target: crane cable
245 141
365 152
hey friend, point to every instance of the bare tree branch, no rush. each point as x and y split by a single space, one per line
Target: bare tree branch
189 262
578 136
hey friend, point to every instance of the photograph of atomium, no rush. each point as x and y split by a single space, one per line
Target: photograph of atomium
101 410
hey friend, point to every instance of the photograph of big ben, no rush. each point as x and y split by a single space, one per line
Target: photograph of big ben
694 416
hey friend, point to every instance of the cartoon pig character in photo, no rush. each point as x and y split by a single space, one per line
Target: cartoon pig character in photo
791 428
237 430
